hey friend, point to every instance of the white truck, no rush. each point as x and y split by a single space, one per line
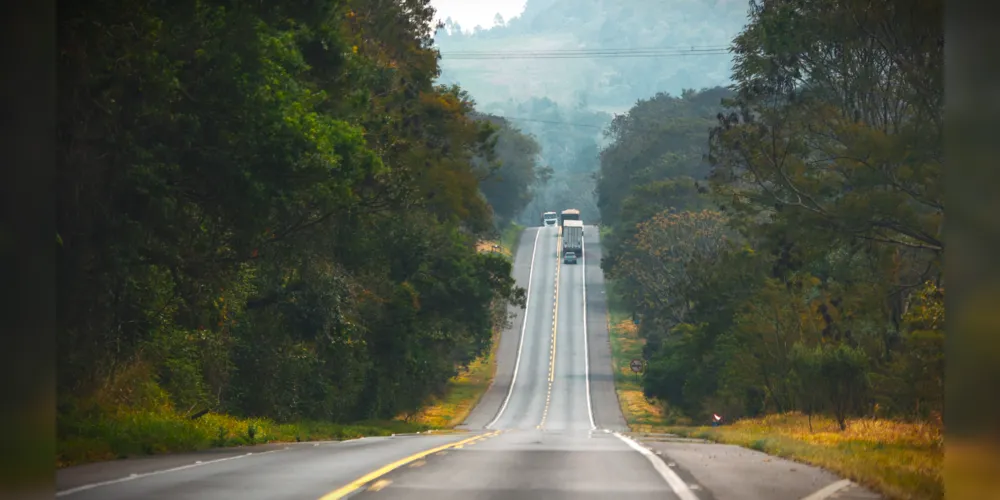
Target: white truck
572 239
550 218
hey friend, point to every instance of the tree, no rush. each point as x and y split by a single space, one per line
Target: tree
511 172
267 210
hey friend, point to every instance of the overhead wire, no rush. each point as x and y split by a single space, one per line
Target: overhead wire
552 122
585 53
580 54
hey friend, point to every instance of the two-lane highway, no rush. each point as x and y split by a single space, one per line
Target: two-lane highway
550 444
550 426
527 396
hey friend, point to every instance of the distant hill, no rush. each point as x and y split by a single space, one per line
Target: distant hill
519 69
612 83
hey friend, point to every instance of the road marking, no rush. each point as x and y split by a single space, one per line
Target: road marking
371 476
555 323
419 463
131 477
586 353
829 490
677 484
378 485
524 326
555 330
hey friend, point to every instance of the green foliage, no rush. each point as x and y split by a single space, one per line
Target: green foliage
569 142
820 288
269 211
510 176
654 163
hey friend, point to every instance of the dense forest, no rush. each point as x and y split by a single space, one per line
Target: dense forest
272 209
780 244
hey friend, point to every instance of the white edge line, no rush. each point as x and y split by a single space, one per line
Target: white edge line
524 326
829 490
154 473
586 352
676 483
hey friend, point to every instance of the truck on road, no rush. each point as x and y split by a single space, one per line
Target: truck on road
568 214
550 218
572 238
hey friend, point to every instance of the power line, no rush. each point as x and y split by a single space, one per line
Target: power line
514 118
585 53
573 51
581 56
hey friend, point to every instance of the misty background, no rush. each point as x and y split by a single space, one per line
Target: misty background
560 70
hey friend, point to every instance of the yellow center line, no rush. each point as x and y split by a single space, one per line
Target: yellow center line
555 320
555 329
371 476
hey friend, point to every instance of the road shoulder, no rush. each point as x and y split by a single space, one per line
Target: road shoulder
506 352
733 472
378 449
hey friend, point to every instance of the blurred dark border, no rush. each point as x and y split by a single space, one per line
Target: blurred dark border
28 239
27 244
972 387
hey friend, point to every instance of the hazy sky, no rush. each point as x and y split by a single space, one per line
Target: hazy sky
469 13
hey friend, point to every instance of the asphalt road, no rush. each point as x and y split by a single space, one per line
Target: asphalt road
550 426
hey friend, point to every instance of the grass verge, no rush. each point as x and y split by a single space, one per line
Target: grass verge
130 433
900 460
640 413
510 237
462 394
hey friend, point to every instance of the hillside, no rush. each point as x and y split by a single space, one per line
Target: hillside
563 69
611 82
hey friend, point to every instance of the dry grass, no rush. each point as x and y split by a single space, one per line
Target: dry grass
640 412
487 246
463 393
900 460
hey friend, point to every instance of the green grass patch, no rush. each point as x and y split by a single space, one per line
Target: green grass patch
130 433
510 237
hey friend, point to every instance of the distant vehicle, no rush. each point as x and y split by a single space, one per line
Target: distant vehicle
572 234
550 218
568 214
569 258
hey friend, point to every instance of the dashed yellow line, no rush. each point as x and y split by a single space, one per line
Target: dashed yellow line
378 473
555 325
